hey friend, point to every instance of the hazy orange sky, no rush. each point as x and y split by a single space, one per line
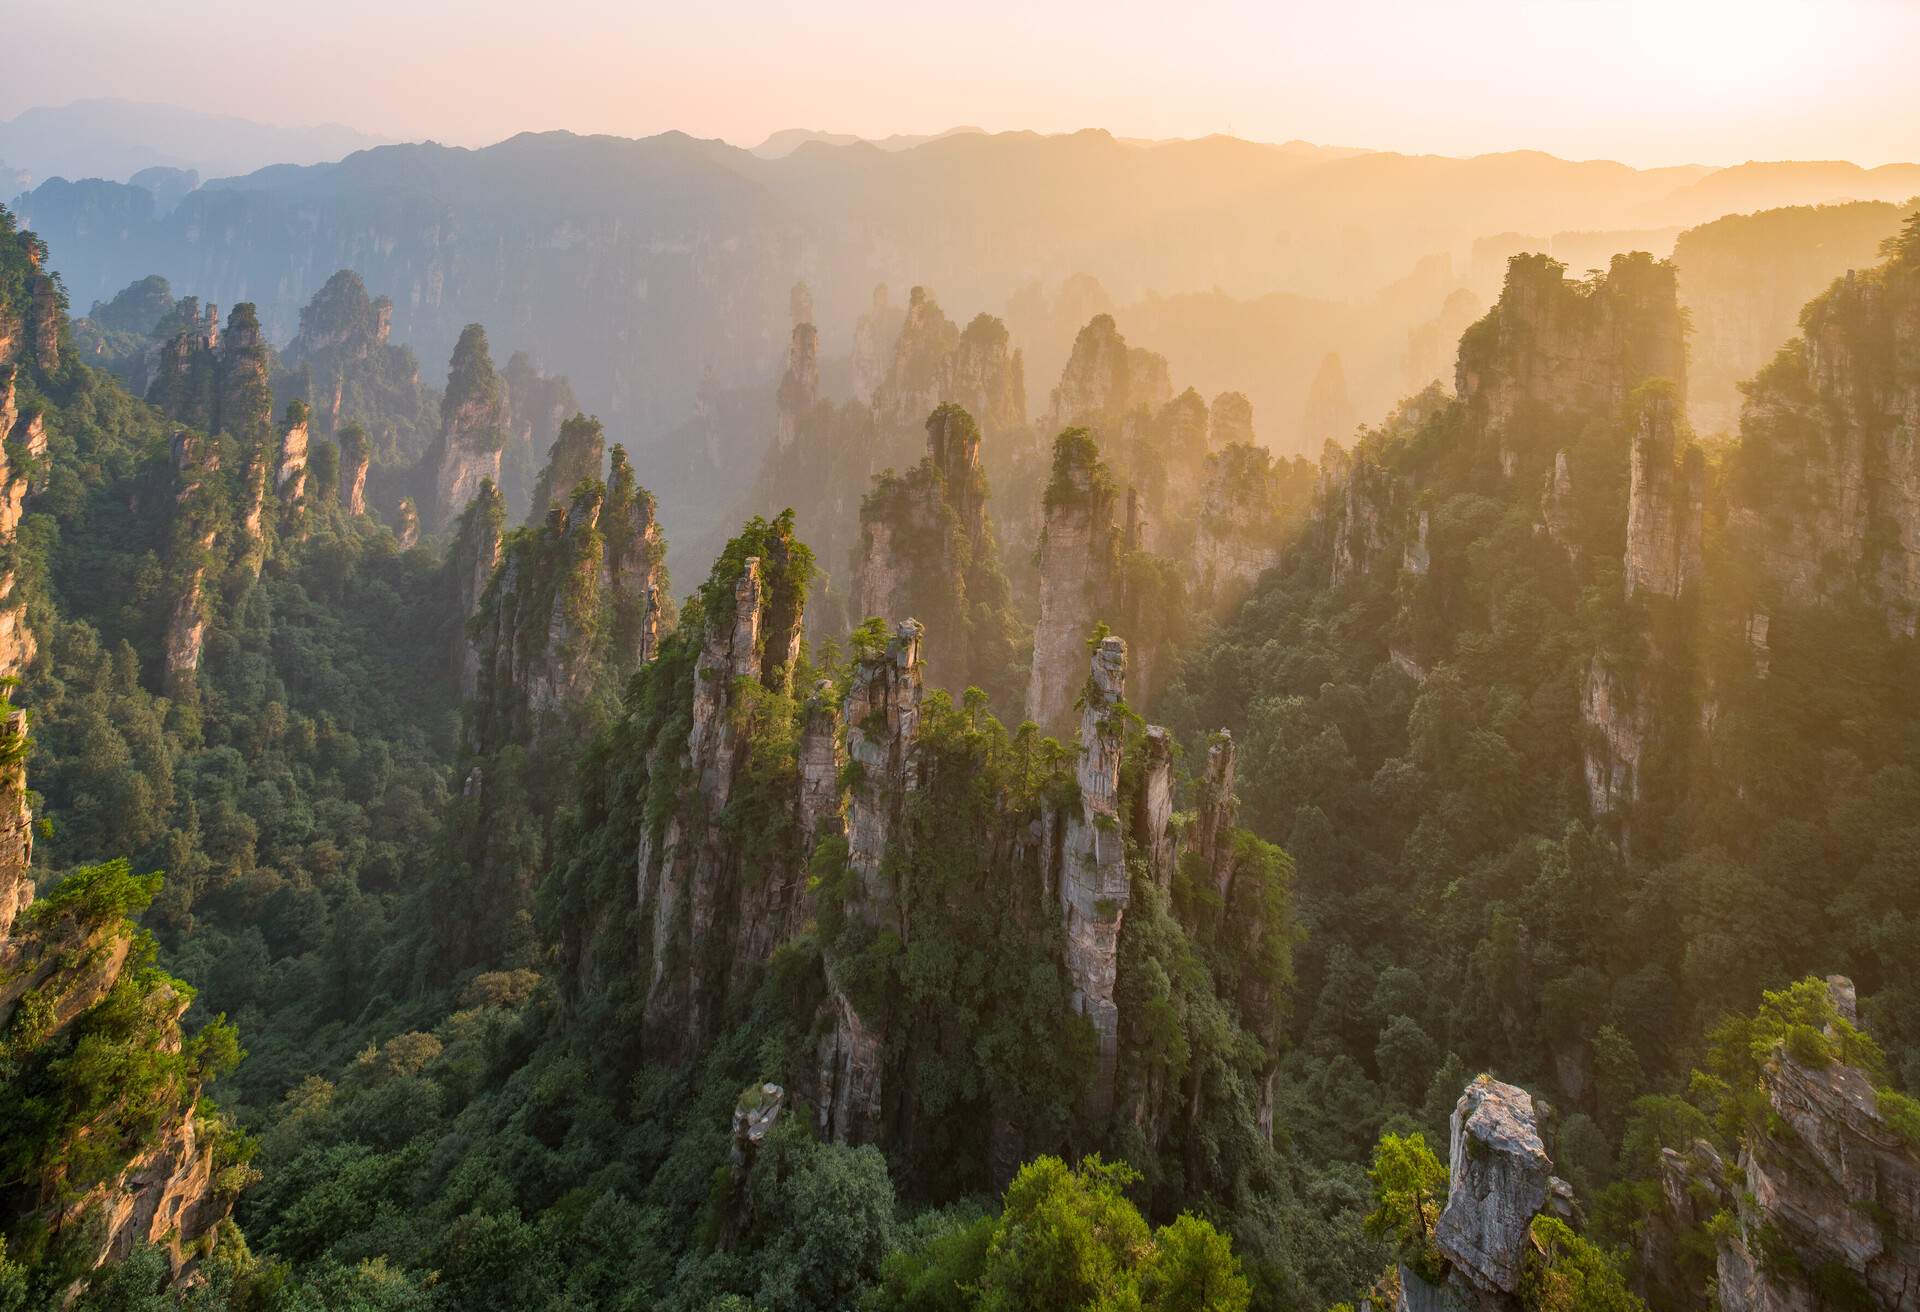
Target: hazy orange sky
1645 81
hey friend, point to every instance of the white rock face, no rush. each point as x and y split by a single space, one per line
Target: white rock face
1499 1179
1093 879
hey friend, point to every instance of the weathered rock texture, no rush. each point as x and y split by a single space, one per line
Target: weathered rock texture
355 456
473 427
58 962
799 385
1240 524
1093 870
1666 501
927 549
1829 1211
1078 556
1826 476
1498 1181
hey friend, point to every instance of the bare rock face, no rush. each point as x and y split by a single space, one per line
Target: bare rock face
636 569
355 456
1666 502
1840 407
800 385
290 478
195 463
1557 504
1237 537
708 923
471 562
1094 888
16 823
1077 562
21 434
1215 806
473 428
407 530
1155 810
1620 722
987 377
922 367
1360 517
1550 345
1838 1190
1095 387
1499 1180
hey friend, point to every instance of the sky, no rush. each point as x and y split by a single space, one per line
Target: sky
1649 82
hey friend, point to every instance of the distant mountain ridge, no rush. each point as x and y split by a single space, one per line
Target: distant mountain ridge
660 267
115 139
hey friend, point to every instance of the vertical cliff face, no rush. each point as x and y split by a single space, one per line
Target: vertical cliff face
799 385
32 321
921 371
636 571
1093 871
148 1174
1077 563
988 378
1238 534
882 717
1840 408
355 455
195 529
16 823
709 922
290 477
23 452
578 452
406 528
471 561
473 425
1329 415
1744 279
541 628
1828 1203
1096 386
927 549
1554 345
1666 501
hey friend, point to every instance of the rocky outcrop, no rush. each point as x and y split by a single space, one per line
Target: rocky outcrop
1499 1178
987 377
636 569
882 715
1666 501
1829 1212
578 452
1237 537
406 529
1095 387
470 563
1152 821
921 371
23 451
355 456
799 385
1840 407
290 477
473 427
1094 889
195 528
708 928
59 961
1078 553
1329 415
927 548
1553 345
16 823
1619 722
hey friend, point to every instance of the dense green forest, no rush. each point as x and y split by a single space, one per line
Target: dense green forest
456 919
